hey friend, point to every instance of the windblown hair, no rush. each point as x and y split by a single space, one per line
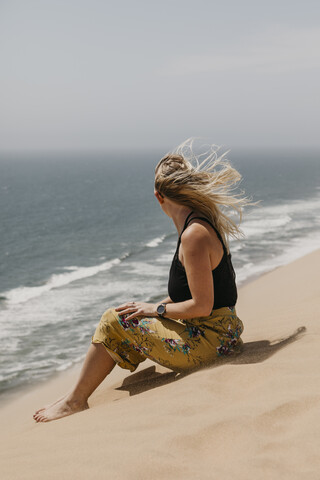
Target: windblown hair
203 182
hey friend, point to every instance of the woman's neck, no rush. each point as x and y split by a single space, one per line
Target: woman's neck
179 215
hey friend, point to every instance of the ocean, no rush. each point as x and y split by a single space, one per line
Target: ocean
83 232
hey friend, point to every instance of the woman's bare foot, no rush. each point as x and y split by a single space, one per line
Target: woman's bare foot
62 408
50 404
97 365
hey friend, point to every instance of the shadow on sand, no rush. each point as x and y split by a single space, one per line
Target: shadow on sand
251 352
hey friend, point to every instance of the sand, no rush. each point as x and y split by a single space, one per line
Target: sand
254 417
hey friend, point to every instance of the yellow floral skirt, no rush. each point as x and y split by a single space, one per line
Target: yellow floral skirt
177 344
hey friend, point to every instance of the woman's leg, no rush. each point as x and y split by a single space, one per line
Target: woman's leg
98 363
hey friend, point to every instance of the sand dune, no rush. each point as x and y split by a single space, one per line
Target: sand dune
255 416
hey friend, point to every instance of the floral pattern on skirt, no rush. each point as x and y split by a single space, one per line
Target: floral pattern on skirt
177 344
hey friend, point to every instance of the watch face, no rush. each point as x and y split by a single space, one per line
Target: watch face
161 309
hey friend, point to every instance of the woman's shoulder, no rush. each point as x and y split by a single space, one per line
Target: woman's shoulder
197 234
201 237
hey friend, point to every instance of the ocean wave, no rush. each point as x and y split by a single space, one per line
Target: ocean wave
155 242
297 248
236 247
264 225
287 216
74 273
288 208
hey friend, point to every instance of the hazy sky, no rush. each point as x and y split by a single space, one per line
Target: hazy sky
100 74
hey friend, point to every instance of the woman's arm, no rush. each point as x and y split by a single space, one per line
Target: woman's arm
166 300
196 255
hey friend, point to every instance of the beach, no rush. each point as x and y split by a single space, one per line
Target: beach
254 416
120 121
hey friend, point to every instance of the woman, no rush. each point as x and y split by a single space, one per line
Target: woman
197 322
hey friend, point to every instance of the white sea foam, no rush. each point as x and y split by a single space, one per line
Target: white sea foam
165 258
236 247
145 270
266 224
284 217
23 294
64 366
298 247
155 242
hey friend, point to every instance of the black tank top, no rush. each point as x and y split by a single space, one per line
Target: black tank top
224 285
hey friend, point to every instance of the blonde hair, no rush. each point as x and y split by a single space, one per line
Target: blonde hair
203 182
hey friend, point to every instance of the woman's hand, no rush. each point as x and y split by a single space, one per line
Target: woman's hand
135 309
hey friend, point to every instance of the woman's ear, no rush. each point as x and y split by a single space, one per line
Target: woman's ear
159 197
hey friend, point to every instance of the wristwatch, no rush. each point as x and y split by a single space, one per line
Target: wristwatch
161 309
